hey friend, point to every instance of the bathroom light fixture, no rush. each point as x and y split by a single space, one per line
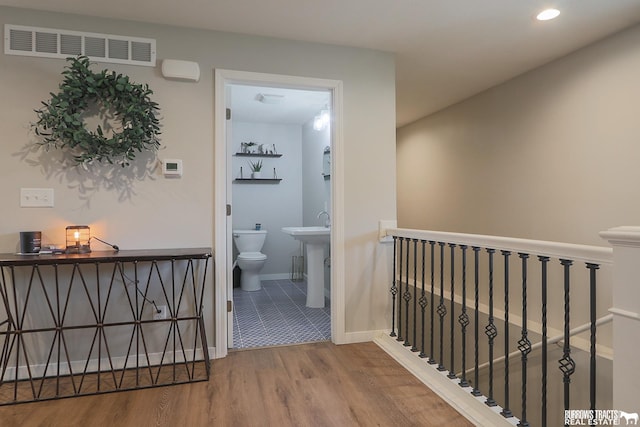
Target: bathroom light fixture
322 120
269 98
78 237
548 14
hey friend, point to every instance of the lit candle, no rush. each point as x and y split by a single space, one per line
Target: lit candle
76 235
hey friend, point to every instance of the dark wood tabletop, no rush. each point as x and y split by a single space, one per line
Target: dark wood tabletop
105 256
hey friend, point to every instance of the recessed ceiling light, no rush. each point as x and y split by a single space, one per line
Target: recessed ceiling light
548 14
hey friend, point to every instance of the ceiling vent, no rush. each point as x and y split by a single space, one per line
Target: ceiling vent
52 43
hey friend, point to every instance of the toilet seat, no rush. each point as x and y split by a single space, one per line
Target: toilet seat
252 256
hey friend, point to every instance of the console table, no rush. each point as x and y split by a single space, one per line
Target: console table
80 324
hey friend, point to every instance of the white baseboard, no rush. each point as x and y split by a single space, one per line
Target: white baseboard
471 407
214 354
79 366
360 336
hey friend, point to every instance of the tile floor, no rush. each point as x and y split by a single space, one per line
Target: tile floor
277 315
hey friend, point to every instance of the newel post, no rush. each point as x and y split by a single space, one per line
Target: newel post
626 316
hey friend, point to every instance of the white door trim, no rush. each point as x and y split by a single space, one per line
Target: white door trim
222 235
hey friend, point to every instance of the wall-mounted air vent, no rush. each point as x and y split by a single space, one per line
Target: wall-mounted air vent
52 43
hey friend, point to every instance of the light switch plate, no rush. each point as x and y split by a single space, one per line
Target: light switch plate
36 197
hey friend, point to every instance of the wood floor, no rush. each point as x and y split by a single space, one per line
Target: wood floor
316 384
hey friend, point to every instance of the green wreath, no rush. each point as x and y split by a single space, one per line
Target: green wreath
60 122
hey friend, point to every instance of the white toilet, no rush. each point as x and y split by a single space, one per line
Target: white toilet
250 259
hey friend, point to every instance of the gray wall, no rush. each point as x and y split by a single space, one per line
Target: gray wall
550 155
141 209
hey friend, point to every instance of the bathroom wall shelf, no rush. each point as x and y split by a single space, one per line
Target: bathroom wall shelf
258 180
257 155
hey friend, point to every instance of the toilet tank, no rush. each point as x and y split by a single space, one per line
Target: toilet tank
249 240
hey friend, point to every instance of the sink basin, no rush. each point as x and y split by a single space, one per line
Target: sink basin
309 234
315 238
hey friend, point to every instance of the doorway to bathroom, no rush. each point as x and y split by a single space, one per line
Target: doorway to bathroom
282 128
284 133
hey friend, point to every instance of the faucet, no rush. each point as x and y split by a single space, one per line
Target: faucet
327 222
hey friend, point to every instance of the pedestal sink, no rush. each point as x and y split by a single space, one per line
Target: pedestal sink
315 239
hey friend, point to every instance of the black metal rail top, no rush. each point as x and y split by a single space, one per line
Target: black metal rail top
7 260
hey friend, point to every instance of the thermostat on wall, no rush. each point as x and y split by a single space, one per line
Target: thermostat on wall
172 168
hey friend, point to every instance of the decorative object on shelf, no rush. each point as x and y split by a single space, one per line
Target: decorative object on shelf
256 169
61 122
248 147
267 149
78 237
257 149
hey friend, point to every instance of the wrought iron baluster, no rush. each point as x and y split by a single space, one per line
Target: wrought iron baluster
464 318
401 239
524 345
506 411
407 295
414 347
423 301
452 373
491 331
442 310
592 338
544 260
567 364
432 360
394 289
476 323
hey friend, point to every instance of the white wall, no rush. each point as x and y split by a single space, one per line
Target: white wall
317 190
138 210
272 205
316 194
550 155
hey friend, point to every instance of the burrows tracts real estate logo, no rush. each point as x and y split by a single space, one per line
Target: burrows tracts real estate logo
600 417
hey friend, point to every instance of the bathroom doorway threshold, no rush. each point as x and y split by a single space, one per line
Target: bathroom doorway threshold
235 350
